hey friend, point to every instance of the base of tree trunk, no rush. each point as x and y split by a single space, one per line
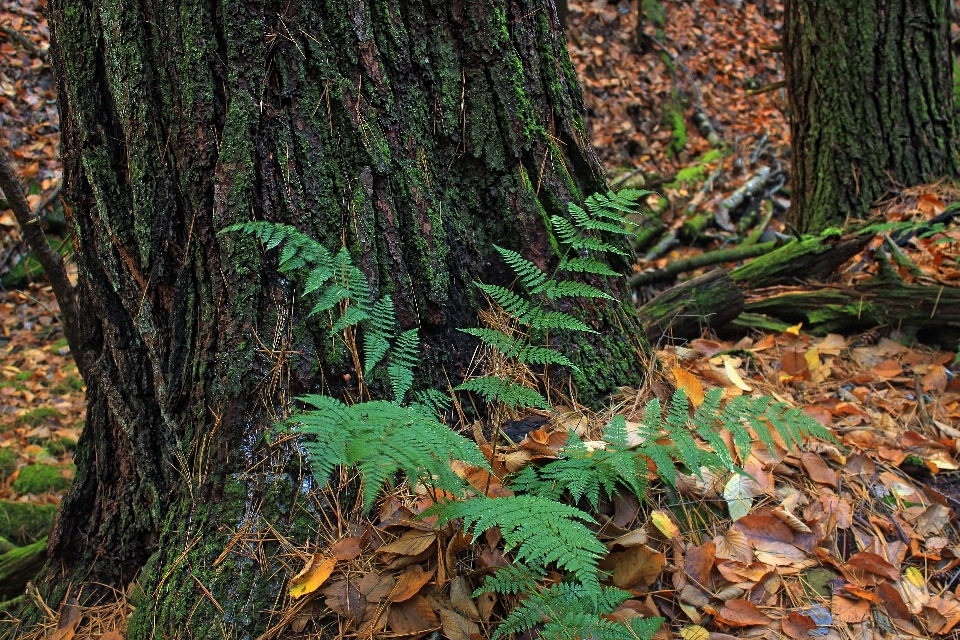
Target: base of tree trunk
685 310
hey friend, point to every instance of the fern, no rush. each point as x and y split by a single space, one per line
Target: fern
518 348
381 439
572 612
382 326
584 473
403 359
516 578
509 393
542 531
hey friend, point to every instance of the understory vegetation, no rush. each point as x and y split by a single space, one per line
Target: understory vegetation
548 519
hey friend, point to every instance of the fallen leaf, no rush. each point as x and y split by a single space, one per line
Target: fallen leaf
636 566
874 564
690 384
887 369
348 548
460 598
456 627
734 376
410 583
694 632
760 528
734 545
798 626
664 523
698 562
818 470
739 493
411 543
412 616
850 610
313 575
742 613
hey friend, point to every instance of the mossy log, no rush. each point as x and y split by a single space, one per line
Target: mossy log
23 523
932 311
19 566
811 258
685 310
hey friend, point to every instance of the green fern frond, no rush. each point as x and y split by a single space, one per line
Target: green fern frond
381 439
563 607
574 625
568 235
542 531
614 205
537 318
383 323
586 265
585 221
516 578
529 274
299 249
351 316
569 289
518 348
403 359
511 394
510 302
584 473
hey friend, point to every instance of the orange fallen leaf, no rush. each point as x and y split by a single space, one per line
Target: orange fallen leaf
314 574
412 616
410 583
850 610
348 548
412 543
741 613
798 626
690 384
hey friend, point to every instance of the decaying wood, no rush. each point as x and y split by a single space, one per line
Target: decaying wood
685 310
20 565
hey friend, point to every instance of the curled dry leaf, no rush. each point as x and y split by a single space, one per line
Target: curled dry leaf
410 583
798 626
313 575
792 521
412 616
741 613
457 627
411 543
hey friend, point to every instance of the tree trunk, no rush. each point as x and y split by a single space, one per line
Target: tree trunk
416 134
871 102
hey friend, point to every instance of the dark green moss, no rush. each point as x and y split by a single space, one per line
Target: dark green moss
24 523
40 478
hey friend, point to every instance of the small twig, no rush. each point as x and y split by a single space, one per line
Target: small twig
50 261
23 41
773 86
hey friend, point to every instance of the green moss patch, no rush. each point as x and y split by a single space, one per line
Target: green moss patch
23 523
8 463
36 417
40 478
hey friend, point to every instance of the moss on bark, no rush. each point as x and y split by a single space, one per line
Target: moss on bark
415 134
871 103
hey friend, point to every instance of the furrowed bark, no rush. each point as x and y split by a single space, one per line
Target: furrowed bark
871 101
418 135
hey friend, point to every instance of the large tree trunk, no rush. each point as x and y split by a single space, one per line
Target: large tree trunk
871 102
418 134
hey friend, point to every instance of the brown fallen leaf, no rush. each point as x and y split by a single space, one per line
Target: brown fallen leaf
818 470
891 602
412 616
636 566
347 548
763 528
457 627
313 575
460 592
698 562
113 635
410 583
734 545
741 613
872 563
411 543
850 610
798 626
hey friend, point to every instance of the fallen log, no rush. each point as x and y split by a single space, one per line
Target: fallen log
685 310
812 258
19 566
702 260
932 310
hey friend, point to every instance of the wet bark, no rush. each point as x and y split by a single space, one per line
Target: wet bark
416 134
871 103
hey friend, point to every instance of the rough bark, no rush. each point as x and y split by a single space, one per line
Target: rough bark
417 134
871 103
684 311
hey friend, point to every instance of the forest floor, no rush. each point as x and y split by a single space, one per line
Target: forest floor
859 541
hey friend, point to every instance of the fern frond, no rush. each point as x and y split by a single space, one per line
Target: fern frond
510 302
516 578
542 531
518 348
382 326
299 249
529 274
584 473
568 235
577 625
560 604
381 439
403 359
537 318
511 394
351 316
589 223
586 265
569 289
613 205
